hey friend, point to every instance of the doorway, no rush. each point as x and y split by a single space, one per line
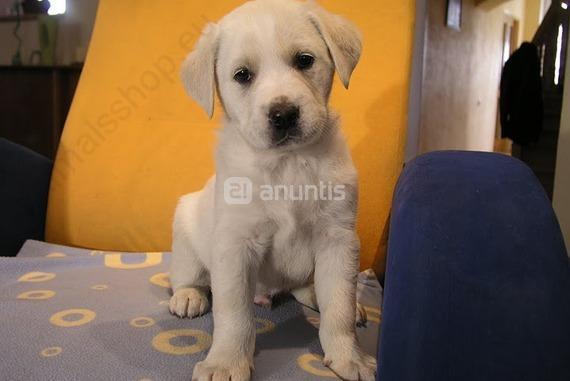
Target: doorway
509 45
551 40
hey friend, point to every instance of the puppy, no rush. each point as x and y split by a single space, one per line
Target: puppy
272 64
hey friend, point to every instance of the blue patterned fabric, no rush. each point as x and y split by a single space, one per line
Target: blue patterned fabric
76 314
478 282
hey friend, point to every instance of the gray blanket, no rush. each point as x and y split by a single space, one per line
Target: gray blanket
74 314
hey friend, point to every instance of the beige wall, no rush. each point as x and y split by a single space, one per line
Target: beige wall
73 37
462 74
562 175
532 18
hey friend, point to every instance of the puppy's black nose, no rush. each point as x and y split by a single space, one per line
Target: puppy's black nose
283 116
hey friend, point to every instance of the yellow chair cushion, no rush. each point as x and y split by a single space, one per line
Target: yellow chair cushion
134 142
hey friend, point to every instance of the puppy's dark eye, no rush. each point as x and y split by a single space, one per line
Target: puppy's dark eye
304 61
243 76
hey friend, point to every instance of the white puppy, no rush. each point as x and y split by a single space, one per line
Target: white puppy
272 64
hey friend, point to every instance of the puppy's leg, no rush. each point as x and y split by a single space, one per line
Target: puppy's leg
189 281
336 271
188 276
235 263
306 296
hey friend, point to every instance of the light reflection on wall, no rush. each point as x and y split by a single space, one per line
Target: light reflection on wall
57 7
558 54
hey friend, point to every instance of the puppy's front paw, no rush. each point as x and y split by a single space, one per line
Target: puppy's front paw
353 365
189 302
236 370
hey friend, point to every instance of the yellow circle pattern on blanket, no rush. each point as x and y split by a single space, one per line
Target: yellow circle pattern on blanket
37 294
62 318
373 314
162 341
56 255
134 142
313 364
36 276
263 326
161 280
51 351
142 322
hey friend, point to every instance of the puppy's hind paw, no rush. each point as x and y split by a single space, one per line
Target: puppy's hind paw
189 302
306 296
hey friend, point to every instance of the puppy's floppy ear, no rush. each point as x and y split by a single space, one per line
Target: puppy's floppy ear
198 70
342 38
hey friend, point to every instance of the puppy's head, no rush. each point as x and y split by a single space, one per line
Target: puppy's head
272 63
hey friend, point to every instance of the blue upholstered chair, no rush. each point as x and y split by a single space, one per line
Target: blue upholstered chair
477 282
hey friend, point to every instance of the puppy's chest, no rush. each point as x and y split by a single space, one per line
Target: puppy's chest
294 210
294 194
290 259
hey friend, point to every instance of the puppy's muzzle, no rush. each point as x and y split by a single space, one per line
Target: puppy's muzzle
283 116
284 121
